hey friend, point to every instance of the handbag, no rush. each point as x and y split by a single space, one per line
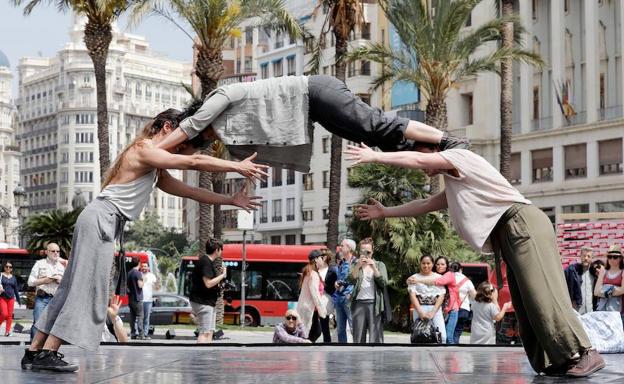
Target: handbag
425 332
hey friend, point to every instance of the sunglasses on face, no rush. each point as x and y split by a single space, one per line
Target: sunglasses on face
613 257
8 267
54 251
291 317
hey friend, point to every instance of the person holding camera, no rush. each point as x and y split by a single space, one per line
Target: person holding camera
205 290
45 276
369 278
342 295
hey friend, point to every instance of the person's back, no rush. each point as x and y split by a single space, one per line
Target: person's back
482 329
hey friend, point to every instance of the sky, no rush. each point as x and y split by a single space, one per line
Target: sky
46 30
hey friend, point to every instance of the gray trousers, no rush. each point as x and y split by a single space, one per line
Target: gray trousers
364 320
77 312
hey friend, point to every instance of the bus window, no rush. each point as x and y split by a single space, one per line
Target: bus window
281 285
253 290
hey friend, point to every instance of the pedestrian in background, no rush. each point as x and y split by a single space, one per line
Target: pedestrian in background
581 282
150 282
135 299
485 312
291 330
9 293
328 275
369 278
466 291
45 276
427 299
610 284
342 294
311 307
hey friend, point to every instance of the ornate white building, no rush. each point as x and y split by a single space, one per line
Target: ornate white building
564 162
9 157
57 129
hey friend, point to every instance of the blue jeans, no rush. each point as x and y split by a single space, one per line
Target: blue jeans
451 322
343 315
40 304
147 311
463 318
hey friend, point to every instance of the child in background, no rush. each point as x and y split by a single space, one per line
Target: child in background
485 312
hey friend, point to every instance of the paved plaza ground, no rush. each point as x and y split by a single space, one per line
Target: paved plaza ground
296 364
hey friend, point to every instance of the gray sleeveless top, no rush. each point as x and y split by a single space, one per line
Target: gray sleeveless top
132 197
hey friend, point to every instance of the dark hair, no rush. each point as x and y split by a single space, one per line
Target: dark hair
425 256
455 267
422 145
212 245
593 265
309 268
191 109
134 262
484 292
328 256
435 268
367 240
151 129
5 264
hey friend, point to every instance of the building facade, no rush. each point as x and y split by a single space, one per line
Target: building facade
9 158
57 127
568 117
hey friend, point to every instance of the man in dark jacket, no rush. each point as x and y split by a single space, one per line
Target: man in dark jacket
580 279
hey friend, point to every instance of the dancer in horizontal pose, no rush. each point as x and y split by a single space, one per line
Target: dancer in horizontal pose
272 117
77 312
484 206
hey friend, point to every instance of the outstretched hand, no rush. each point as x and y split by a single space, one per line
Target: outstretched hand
371 211
248 203
113 307
360 154
251 170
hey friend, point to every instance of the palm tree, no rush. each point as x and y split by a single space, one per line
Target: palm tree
98 36
437 54
54 226
342 18
213 23
506 92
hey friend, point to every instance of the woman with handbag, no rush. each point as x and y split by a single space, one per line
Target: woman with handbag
427 299
610 282
311 307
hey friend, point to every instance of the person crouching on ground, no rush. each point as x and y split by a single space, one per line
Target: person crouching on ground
291 330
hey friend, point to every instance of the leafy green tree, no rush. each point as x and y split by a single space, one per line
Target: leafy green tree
400 242
98 36
54 226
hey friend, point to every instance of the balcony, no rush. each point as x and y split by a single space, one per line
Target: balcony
541 124
264 219
611 113
290 217
611 169
237 78
276 219
42 187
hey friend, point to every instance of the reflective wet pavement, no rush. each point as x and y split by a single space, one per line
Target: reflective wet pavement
296 364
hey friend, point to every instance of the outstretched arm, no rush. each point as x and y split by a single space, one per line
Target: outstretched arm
405 159
375 210
159 158
171 185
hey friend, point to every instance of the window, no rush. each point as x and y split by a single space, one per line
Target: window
576 208
602 92
351 69
307 215
277 211
610 157
366 31
138 90
264 211
290 239
264 71
325 144
611 206
534 9
308 44
365 68
308 182
542 163
575 161
468 108
83 177
290 66
516 172
326 70
325 213
148 92
550 212
290 177
276 175
279 39
290 209
536 105
325 179
248 35
264 182
278 68
365 97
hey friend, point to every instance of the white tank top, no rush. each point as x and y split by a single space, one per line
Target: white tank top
132 197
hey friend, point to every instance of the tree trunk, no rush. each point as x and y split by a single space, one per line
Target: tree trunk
97 39
217 186
506 94
209 68
436 116
335 168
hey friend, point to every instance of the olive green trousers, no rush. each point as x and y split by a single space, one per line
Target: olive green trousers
550 330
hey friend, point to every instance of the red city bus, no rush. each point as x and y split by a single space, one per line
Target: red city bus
272 278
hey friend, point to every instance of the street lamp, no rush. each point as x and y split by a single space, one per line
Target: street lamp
21 203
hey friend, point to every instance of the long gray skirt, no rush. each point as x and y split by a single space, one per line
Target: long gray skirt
77 312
